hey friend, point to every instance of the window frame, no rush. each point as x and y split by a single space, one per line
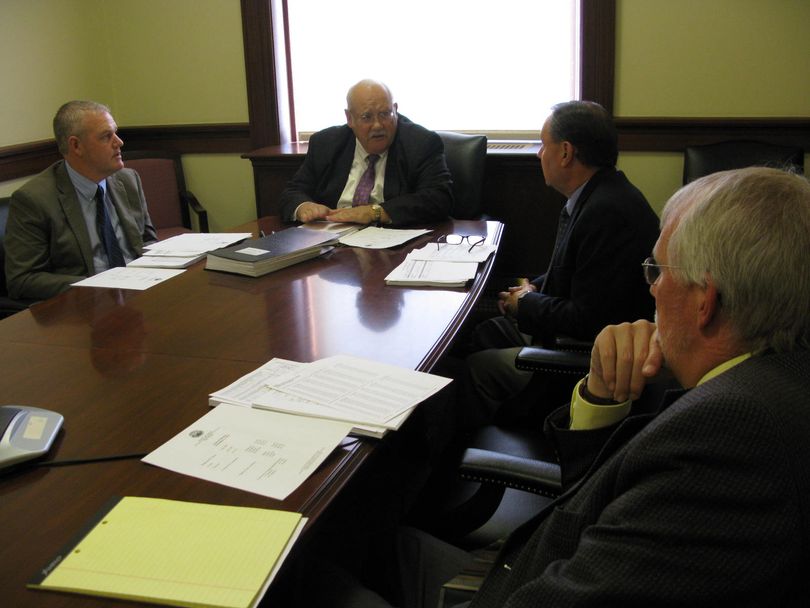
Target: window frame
269 81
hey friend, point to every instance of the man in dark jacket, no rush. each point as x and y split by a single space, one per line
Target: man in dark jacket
379 168
606 230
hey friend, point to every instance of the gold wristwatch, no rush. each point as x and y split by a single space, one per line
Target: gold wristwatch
377 211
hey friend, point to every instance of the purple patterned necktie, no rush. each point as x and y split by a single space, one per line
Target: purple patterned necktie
366 183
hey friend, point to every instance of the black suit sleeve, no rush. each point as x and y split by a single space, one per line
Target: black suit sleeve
418 185
598 279
322 176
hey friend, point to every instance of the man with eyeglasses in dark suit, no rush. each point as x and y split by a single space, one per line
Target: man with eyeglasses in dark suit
378 168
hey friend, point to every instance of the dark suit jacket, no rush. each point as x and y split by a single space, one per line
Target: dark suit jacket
417 182
595 277
706 503
47 245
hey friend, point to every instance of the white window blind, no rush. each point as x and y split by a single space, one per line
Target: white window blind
466 65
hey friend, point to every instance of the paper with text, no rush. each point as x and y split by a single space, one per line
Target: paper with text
164 261
432 273
194 243
267 453
380 238
453 253
373 392
253 387
128 277
245 390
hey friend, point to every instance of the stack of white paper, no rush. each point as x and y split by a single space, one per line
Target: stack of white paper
374 397
374 237
183 250
445 266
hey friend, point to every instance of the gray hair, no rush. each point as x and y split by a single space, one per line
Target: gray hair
749 230
69 118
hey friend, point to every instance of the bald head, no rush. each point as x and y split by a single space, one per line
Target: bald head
372 114
367 87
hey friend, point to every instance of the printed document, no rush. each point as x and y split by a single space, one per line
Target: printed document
129 277
267 453
355 389
194 243
253 387
183 250
249 387
419 273
380 238
453 253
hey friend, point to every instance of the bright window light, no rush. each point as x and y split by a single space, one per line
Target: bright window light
464 65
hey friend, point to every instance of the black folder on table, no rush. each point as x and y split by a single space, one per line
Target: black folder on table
256 257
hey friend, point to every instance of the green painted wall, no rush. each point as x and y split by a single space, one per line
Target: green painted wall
715 58
154 62
181 62
724 58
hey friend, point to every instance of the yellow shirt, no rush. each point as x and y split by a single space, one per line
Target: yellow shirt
586 416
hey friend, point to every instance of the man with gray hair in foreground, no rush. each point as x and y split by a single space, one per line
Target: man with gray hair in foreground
702 499
705 499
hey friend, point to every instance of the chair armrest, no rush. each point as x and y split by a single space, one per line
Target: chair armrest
529 475
537 358
566 343
192 202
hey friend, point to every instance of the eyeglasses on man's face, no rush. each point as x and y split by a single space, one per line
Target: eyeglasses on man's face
458 239
652 270
368 118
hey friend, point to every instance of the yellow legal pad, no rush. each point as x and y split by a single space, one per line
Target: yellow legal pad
174 553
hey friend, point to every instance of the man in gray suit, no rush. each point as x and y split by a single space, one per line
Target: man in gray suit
703 498
81 215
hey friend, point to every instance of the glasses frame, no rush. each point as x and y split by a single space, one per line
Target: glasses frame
473 239
370 118
652 270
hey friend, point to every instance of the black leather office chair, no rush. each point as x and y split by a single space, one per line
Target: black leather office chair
721 156
503 462
8 306
164 187
518 460
466 157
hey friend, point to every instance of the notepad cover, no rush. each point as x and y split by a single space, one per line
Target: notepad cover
173 553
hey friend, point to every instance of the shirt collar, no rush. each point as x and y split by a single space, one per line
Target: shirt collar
86 187
723 367
571 203
361 154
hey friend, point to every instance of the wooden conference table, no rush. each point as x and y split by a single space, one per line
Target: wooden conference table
130 369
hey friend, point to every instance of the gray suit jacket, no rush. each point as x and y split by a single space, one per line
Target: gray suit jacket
704 503
47 244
